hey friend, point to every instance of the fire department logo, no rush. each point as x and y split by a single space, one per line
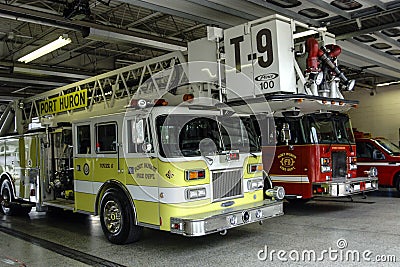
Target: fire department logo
287 161
86 169
169 174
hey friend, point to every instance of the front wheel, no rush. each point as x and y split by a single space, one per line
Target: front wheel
117 220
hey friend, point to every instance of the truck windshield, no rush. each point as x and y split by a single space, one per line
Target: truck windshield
330 129
388 146
317 129
180 135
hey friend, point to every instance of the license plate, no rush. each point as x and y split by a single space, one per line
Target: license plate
368 185
356 187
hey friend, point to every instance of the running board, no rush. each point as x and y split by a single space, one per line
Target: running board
59 203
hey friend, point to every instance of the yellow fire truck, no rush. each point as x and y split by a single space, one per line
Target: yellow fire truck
108 147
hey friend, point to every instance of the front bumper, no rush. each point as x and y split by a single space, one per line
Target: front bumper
346 187
212 222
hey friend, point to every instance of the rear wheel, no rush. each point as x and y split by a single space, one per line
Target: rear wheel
117 220
6 198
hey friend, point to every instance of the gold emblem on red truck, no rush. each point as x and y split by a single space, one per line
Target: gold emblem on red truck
287 161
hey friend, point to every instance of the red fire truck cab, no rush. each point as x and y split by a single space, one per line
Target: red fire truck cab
379 152
316 157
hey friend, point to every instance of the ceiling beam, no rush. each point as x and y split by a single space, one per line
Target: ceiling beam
228 10
43 72
37 17
368 54
144 19
19 80
367 30
201 25
387 39
377 3
286 12
330 8
188 10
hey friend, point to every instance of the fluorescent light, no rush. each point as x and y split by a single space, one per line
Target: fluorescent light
112 37
60 42
387 84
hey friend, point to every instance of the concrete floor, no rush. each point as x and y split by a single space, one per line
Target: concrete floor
370 224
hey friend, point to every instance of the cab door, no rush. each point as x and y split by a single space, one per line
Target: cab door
367 157
83 147
142 168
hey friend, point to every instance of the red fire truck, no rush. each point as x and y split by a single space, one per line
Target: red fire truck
380 153
316 156
294 69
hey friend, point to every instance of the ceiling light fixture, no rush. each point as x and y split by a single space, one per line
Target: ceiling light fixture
387 84
60 42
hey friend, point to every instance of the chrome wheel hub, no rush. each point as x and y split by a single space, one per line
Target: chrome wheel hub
112 216
5 200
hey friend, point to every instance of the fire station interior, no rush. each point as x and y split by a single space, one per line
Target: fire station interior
360 132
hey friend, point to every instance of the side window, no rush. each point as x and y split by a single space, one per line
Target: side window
83 139
106 138
295 129
361 150
368 150
139 136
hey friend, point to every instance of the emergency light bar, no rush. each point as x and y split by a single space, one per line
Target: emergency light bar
144 103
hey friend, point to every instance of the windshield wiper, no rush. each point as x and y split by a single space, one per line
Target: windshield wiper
348 141
330 144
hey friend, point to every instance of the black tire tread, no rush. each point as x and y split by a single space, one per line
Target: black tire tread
129 232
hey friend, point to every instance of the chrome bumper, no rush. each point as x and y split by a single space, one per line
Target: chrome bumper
347 187
212 222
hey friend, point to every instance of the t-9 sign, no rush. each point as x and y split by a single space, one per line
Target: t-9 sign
264 53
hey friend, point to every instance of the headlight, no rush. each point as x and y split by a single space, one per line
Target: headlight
195 193
325 165
254 184
325 169
278 192
373 172
353 163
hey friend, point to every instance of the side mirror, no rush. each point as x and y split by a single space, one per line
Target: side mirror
376 154
285 133
146 147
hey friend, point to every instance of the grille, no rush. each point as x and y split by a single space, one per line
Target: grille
339 164
227 184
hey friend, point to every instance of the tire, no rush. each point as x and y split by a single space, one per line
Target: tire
397 182
117 220
6 198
